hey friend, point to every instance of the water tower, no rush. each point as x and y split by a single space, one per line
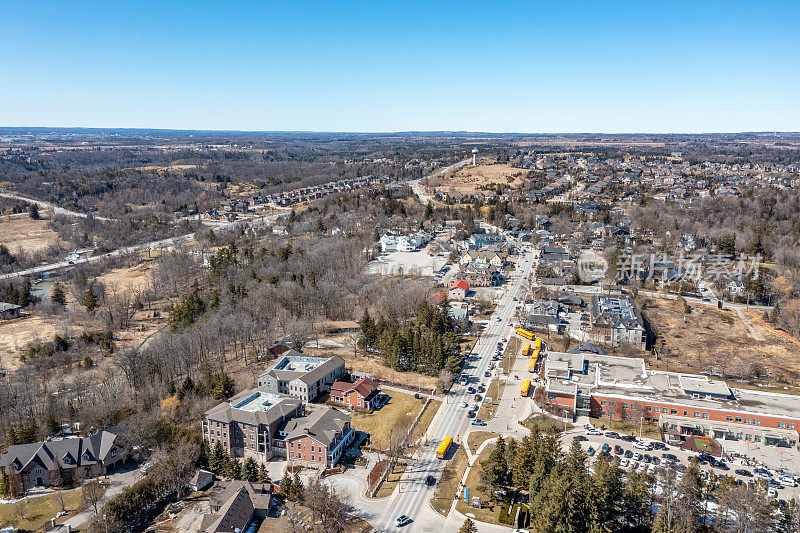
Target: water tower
474 157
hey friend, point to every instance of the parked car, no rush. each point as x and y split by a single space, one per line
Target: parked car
430 481
628 454
612 434
669 457
628 438
743 472
579 438
618 449
478 422
605 447
590 451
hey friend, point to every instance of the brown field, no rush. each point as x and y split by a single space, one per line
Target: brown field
131 279
23 234
168 168
468 179
16 334
707 342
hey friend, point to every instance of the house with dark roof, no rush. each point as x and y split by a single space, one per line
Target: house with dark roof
362 394
317 440
616 321
58 462
235 504
9 311
301 376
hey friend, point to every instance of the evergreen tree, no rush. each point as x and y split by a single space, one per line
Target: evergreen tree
90 299
286 486
469 525
217 458
263 475
5 489
495 469
33 212
250 470
636 500
58 295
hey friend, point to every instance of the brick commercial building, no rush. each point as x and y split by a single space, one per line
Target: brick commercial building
362 394
246 425
622 388
59 462
301 376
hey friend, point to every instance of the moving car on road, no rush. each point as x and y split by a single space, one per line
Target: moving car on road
401 521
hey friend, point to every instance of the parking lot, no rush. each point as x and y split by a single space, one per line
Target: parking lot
632 456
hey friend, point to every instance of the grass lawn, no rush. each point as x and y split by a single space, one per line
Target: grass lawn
489 511
547 424
448 483
41 509
425 420
398 413
495 392
510 355
476 438
388 485
650 431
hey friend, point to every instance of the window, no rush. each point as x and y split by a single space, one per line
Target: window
739 419
647 408
656 409
746 420
624 405
758 438
705 415
790 425
781 424
674 412
685 413
757 421
602 402
292 455
729 418
697 414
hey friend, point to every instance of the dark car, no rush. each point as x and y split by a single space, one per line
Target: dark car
669 457
628 454
470 389
628 438
590 451
743 472
430 481
647 458
612 434
579 438
605 447
721 465
617 449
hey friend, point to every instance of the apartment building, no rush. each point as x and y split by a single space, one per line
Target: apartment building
301 376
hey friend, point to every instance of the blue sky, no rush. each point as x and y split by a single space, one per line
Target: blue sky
594 66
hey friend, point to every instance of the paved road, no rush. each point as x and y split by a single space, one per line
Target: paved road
412 497
415 184
52 207
154 245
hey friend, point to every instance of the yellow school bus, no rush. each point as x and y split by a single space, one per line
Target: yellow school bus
441 451
537 343
525 333
525 349
526 385
532 363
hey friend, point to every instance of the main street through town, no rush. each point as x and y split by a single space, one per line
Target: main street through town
412 498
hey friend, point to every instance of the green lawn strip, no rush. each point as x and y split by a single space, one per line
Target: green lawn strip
39 510
424 420
476 438
546 423
489 511
448 483
388 485
495 392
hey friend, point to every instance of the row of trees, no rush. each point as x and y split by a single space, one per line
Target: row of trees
565 496
425 344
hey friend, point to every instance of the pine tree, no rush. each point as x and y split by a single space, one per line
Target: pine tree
4 486
469 525
495 469
263 475
90 299
58 295
298 490
286 486
216 459
250 470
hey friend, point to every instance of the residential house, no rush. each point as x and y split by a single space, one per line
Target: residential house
616 321
235 504
363 394
458 290
9 311
317 440
59 462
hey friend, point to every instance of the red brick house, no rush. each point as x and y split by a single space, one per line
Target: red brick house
317 440
362 394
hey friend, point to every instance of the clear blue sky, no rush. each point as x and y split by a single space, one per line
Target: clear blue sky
594 66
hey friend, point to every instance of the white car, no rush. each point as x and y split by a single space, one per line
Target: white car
642 445
593 431
624 463
634 465
772 492
401 521
637 456
786 480
762 475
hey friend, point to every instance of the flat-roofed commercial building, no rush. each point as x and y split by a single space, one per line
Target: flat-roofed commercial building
622 388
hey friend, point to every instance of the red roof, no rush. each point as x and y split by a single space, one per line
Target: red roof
461 285
364 386
437 298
